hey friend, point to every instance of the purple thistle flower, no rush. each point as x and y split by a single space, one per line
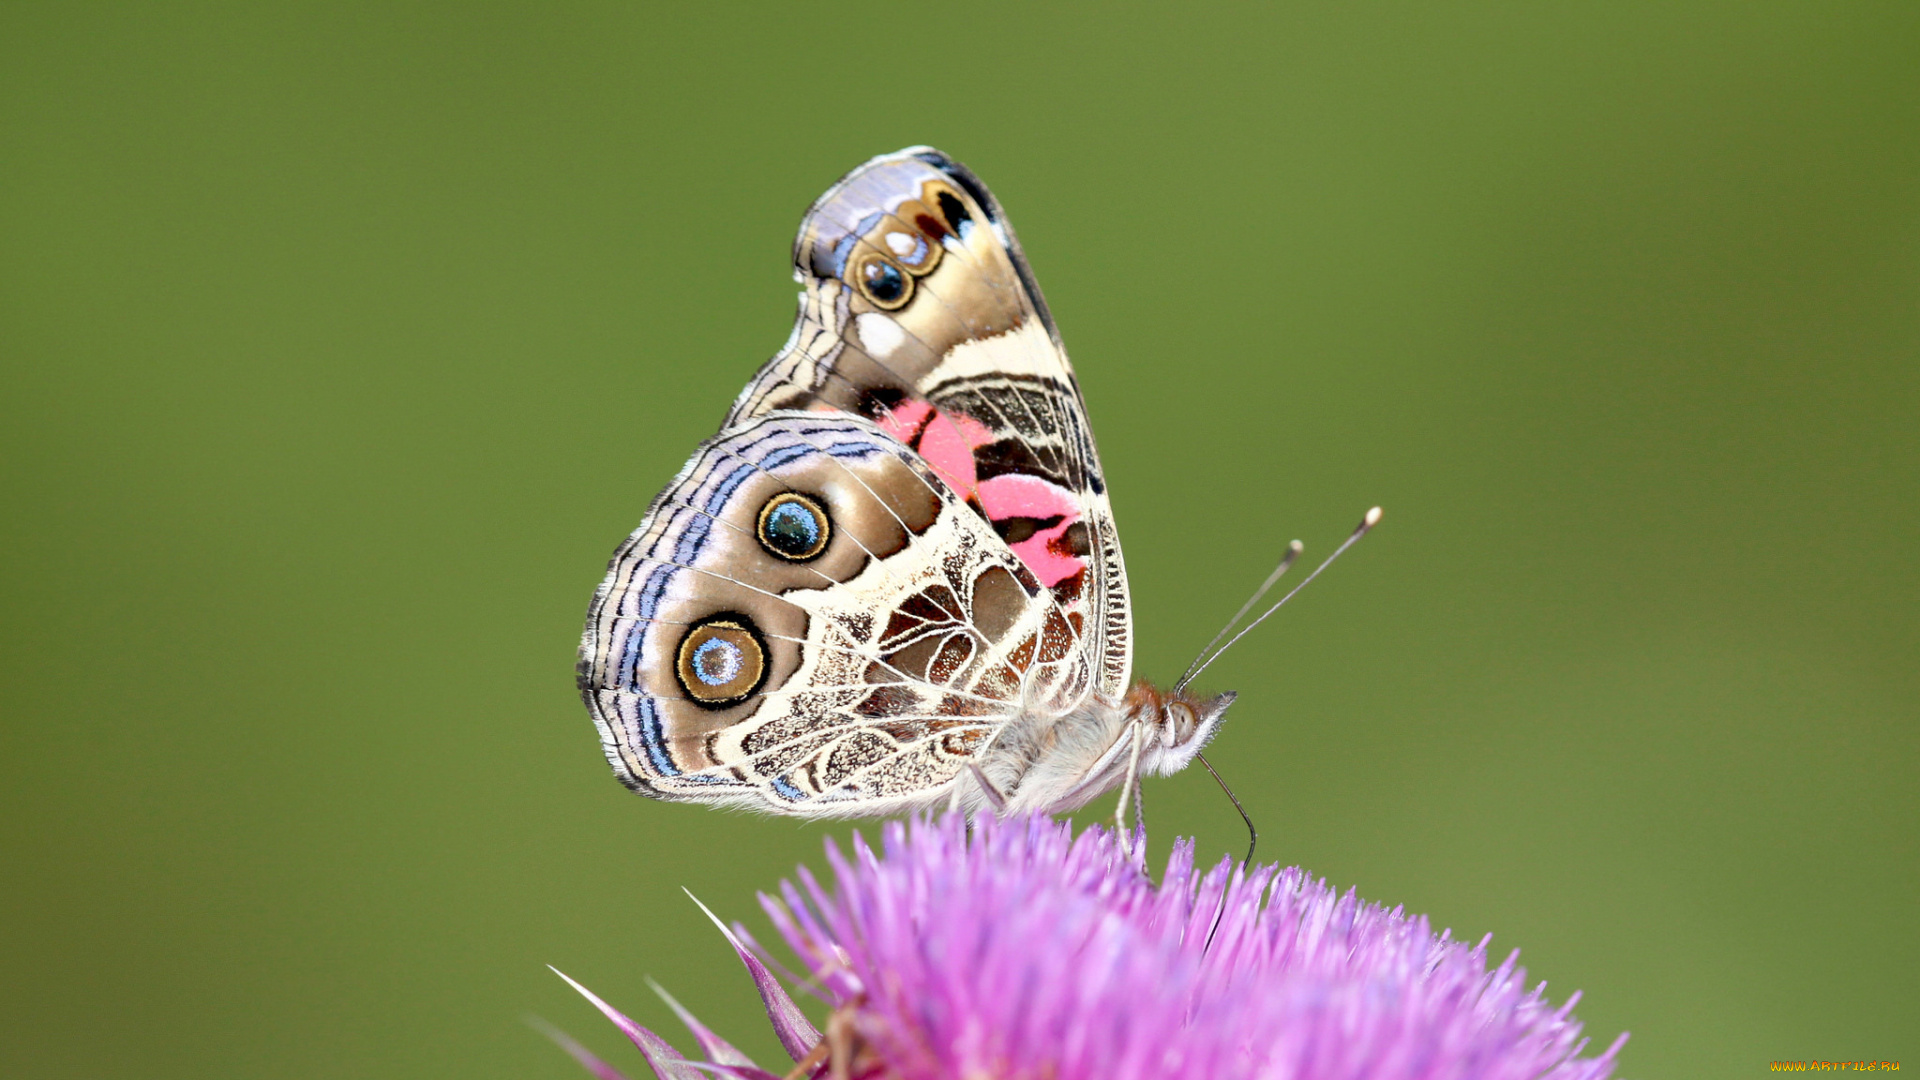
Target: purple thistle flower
1022 951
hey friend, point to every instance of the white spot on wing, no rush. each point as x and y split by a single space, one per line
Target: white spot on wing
879 335
902 244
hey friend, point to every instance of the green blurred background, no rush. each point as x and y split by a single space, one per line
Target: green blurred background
342 343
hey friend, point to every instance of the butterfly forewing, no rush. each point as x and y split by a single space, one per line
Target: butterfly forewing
964 366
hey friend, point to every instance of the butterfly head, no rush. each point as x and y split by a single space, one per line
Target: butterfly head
1179 723
1186 718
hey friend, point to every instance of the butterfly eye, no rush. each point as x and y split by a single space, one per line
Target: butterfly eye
1181 723
721 661
794 527
882 282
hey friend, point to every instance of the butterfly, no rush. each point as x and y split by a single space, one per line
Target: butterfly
892 581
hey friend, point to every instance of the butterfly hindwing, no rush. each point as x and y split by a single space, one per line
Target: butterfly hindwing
810 620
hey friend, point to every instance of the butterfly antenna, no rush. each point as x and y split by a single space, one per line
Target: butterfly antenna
1286 562
1366 523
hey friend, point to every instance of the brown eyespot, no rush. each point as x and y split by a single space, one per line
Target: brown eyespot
881 282
722 661
794 527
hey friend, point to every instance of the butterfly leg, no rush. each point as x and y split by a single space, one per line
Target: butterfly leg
1130 787
992 793
1139 808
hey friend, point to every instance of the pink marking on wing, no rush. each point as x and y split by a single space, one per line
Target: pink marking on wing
903 420
946 440
1048 565
1019 495
948 447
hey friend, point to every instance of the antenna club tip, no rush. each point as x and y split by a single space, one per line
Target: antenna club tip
1296 547
1372 518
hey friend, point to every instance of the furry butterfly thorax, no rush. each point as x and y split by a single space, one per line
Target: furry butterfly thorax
892 581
